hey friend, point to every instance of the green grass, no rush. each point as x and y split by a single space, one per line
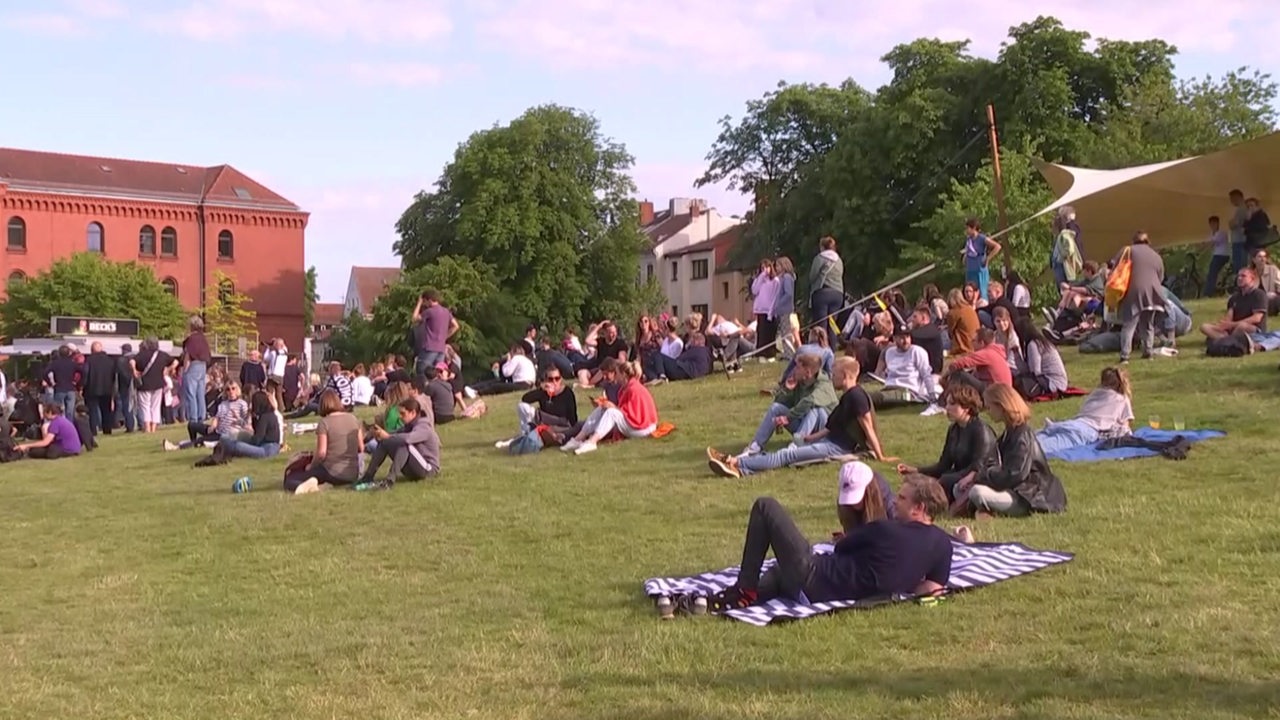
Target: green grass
135 586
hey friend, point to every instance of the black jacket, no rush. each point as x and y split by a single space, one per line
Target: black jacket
1024 471
968 448
99 375
254 374
124 374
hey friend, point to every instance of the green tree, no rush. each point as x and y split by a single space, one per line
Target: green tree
310 296
542 208
227 318
87 285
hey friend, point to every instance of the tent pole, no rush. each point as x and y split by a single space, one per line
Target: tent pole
1002 216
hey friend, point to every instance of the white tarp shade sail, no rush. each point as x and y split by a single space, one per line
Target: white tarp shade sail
1171 201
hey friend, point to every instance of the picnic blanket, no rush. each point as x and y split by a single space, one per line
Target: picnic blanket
1069 392
1091 453
972 566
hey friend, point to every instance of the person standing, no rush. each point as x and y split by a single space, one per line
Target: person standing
977 253
826 282
764 291
125 388
784 307
437 326
61 377
1239 217
1221 255
196 356
99 389
1143 300
253 374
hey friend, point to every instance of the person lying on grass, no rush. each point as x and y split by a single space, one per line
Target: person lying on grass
1105 414
906 555
1021 482
850 429
801 403
969 446
634 416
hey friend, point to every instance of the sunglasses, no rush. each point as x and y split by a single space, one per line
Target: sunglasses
553 378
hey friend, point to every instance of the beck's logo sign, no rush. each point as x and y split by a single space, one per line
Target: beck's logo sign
93 326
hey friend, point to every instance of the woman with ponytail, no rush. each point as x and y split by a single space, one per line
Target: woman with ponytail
1105 414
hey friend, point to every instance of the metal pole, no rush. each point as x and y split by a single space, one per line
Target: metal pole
1002 216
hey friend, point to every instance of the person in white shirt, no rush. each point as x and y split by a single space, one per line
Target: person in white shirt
361 386
672 344
731 339
515 372
904 367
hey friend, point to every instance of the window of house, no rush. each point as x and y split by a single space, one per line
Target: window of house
226 245
648 272
701 269
17 277
17 233
169 242
675 270
675 311
170 286
724 287
147 241
95 239
703 310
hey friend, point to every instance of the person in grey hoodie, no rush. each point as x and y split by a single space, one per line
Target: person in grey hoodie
826 282
784 307
414 449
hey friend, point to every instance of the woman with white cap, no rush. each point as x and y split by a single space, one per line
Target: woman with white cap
864 497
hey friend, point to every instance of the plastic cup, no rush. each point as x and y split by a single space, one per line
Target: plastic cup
1179 423
1154 422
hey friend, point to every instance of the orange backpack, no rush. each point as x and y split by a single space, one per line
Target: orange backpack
1118 280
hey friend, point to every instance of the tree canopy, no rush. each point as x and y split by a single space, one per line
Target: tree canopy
86 285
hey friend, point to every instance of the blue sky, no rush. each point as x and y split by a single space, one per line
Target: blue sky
348 108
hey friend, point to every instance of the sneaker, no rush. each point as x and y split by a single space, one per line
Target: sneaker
570 446
470 392
584 448
170 446
666 608
1050 314
211 444
656 381
933 409
723 468
310 486
731 598
502 444
714 454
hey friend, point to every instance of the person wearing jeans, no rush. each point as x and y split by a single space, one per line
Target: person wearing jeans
777 417
267 433
414 449
826 283
196 352
803 390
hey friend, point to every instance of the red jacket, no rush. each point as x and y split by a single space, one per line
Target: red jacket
990 364
637 406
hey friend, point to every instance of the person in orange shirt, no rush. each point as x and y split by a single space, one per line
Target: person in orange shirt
988 362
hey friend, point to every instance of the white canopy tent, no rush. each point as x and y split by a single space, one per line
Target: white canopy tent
1171 201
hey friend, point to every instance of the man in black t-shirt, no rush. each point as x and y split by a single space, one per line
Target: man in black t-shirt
552 403
927 335
609 344
1246 309
905 556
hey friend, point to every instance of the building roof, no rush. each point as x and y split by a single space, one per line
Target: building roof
370 282
721 244
220 185
665 224
329 314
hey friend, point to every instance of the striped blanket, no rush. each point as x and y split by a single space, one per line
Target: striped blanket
972 566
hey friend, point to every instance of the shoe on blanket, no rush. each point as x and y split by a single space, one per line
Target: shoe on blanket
730 598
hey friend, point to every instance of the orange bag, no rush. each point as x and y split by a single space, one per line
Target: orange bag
1118 281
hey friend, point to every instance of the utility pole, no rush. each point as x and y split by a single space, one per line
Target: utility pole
1002 215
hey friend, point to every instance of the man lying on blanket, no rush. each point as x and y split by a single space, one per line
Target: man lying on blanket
907 555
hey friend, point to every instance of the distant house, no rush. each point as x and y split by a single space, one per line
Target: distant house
689 246
327 316
365 285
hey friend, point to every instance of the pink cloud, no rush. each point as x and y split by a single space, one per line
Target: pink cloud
51 24
370 21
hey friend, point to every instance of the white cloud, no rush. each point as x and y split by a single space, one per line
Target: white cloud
51 24
399 74
370 21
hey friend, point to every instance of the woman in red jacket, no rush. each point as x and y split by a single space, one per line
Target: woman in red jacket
634 416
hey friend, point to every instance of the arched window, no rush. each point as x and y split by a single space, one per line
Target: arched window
17 233
17 277
226 245
95 241
225 290
170 286
147 241
169 242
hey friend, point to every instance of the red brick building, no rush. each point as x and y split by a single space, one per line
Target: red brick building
184 222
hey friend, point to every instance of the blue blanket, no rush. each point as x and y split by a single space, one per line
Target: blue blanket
1091 453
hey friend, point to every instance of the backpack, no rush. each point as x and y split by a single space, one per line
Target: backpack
1118 280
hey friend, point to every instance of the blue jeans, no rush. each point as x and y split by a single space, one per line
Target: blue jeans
807 425
1216 263
239 448
124 409
67 400
426 359
1066 434
821 450
1239 256
193 382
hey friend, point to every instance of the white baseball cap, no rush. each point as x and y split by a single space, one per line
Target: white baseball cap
855 476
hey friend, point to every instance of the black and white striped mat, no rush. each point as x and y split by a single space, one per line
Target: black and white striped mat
972 566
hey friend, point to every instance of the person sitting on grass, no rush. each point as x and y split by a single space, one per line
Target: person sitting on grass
850 429
1042 371
864 497
608 343
515 372
904 368
817 345
388 421
1246 310
634 416
339 440
801 404
1106 413
414 449
970 444
267 432
1021 482
988 364
693 362
908 555
338 382
58 440
229 420
552 404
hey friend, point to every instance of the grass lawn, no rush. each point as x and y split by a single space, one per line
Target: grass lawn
138 587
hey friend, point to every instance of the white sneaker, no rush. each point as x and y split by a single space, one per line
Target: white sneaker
310 486
470 393
170 447
933 409
571 446
584 448
211 444
501 444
